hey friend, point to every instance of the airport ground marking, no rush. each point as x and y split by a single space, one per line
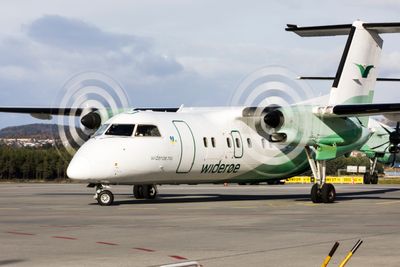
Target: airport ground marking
106 243
145 249
19 233
177 257
64 237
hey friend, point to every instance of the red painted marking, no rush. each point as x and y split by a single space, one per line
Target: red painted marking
145 249
178 257
65 237
107 243
18 233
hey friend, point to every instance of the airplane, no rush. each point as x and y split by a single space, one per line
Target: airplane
146 147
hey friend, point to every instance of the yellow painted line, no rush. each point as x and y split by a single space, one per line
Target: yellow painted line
388 202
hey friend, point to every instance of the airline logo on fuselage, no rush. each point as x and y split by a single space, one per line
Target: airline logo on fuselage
220 168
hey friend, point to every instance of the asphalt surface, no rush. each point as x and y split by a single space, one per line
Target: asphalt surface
61 225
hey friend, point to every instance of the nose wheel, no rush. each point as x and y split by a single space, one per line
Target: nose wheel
104 197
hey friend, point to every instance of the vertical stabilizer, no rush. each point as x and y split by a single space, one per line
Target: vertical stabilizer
358 68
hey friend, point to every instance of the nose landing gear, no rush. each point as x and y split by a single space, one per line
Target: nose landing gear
104 197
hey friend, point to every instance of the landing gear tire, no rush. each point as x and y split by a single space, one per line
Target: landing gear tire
328 193
316 194
138 191
105 198
374 178
149 191
367 178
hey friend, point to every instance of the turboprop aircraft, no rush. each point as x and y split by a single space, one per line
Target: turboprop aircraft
149 147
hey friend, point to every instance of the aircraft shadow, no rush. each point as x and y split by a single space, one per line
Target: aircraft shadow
199 198
11 261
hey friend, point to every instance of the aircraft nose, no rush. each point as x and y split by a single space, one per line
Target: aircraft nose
80 168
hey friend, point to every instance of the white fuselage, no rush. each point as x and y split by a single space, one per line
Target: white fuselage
196 146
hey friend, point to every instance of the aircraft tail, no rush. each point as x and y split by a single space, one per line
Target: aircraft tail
356 75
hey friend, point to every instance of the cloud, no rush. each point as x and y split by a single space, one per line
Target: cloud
55 37
74 34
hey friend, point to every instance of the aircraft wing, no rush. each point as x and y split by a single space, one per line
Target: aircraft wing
43 113
357 110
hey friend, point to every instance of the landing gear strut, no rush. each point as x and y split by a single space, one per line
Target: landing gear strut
104 197
321 191
371 177
145 191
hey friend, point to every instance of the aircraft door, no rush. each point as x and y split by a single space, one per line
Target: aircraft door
237 144
188 147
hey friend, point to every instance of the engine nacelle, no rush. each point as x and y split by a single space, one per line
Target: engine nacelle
92 120
267 122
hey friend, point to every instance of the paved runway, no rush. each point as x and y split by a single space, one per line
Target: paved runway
61 225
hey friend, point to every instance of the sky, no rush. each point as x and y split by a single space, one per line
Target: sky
165 53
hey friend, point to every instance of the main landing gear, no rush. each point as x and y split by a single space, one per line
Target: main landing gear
146 191
106 198
321 192
371 177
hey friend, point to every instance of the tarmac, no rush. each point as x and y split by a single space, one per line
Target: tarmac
62 225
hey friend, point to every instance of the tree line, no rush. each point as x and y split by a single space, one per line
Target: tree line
51 164
33 163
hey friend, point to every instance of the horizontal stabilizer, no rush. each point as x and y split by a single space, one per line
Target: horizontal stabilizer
328 30
332 78
342 29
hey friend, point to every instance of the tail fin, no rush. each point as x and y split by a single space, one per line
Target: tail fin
358 68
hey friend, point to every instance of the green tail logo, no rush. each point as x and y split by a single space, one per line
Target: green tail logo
364 69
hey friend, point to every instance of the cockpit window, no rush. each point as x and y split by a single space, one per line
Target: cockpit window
147 130
101 130
120 129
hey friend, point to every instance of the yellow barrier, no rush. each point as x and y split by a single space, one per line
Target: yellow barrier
329 179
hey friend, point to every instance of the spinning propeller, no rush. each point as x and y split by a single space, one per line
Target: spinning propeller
270 95
394 141
95 97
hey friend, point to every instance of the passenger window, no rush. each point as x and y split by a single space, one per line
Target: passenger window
205 141
147 130
237 142
249 144
213 141
120 129
228 142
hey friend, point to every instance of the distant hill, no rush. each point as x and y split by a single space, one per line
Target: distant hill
37 130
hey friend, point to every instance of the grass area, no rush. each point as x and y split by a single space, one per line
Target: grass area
389 180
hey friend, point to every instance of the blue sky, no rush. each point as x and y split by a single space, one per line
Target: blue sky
173 52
